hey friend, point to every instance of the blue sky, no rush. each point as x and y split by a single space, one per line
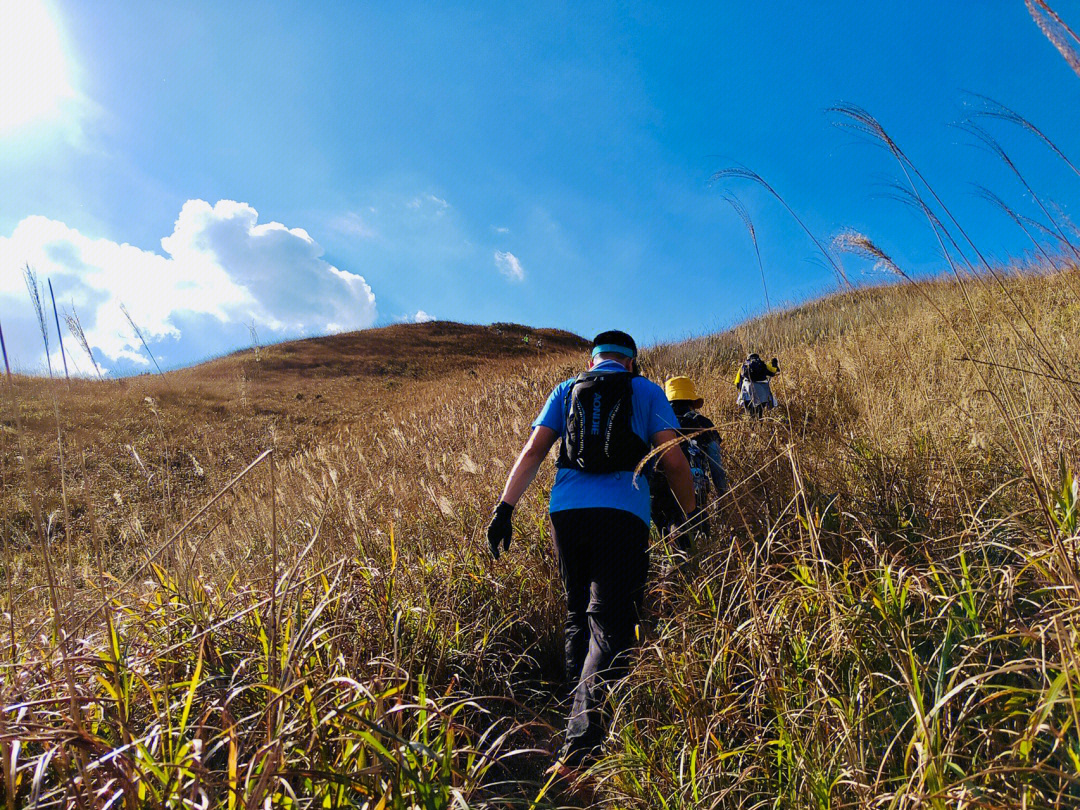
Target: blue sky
321 166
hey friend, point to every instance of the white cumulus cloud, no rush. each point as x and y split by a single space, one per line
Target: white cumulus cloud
419 317
221 270
509 265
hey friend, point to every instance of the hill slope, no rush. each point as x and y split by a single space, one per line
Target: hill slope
885 613
191 429
415 350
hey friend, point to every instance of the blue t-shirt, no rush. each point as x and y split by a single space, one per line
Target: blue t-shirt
574 489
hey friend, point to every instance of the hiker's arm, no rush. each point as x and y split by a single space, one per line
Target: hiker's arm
676 469
716 466
528 462
773 367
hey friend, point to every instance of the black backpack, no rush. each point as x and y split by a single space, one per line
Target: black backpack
692 424
665 508
599 437
756 370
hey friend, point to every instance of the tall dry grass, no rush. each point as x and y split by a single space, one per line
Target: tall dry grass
349 673
277 598
884 616
889 619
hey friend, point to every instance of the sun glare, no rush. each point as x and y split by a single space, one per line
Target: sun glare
34 80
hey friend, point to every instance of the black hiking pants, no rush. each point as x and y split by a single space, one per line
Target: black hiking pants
604 562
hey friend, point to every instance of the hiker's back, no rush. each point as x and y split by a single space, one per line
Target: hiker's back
697 432
598 436
756 370
599 469
755 392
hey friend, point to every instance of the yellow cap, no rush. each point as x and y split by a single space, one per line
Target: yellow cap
682 389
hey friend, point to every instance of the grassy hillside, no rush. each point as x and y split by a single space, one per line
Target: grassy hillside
901 630
885 615
151 447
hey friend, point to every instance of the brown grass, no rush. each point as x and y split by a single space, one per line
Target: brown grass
886 615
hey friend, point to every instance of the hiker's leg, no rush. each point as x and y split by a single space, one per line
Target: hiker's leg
620 564
570 543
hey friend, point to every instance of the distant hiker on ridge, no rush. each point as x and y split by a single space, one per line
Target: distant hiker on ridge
701 446
608 418
755 392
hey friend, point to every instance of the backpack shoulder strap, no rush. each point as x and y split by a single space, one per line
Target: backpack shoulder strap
568 396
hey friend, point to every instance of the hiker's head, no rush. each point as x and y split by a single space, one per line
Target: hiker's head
617 346
681 391
753 356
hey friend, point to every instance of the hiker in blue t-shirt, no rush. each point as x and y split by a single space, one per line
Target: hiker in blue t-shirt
609 419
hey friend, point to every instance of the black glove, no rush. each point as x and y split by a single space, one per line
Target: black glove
500 528
776 364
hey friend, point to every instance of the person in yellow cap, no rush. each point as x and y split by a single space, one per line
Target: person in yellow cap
701 446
